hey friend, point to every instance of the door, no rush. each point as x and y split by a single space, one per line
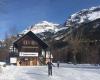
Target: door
34 61
24 61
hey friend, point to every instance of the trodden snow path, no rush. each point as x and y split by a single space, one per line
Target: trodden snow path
40 73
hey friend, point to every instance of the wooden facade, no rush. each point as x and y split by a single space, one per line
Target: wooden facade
29 50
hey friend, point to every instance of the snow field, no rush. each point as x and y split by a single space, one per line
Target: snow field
65 72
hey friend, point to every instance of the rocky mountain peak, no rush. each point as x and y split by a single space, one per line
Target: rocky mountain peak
43 26
84 16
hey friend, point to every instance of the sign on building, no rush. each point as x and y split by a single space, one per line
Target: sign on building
29 54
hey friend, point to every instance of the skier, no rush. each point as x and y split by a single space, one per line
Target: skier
58 63
49 68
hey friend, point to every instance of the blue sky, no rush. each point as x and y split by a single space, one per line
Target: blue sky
22 13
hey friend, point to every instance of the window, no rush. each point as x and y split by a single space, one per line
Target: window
26 42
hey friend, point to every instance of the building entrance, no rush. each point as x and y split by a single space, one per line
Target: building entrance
27 61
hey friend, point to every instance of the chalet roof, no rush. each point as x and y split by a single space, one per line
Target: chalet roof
34 37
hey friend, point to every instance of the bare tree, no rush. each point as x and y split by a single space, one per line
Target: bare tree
76 42
10 36
4 51
75 45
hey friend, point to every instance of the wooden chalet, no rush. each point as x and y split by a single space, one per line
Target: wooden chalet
28 50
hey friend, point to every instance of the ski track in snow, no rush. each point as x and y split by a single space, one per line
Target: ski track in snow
40 73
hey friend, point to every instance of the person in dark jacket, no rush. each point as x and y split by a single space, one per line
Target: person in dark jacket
49 68
58 63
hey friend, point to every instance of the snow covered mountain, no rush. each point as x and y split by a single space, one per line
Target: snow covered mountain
48 30
84 16
45 30
41 27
